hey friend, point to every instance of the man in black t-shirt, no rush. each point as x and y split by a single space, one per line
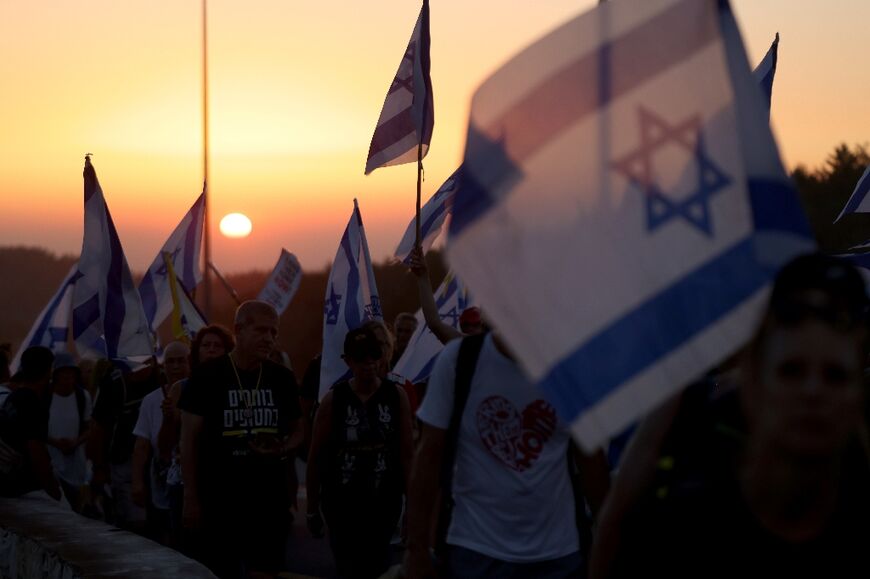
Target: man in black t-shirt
240 420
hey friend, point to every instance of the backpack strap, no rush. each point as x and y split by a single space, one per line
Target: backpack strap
466 364
80 405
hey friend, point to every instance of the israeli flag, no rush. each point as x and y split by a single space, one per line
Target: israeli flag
183 245
622 207
108 319
432 217
51 328
423 347
858 202
766 70
351 299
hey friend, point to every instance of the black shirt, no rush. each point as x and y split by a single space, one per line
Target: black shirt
23 417
235 414
117 409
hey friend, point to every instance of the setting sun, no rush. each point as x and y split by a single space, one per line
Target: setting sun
235 225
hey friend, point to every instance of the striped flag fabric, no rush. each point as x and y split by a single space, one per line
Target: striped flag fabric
351 298
858 202
52 325
187 320
766 70
106 306
432 217
183 246
408 114
619 275
423 348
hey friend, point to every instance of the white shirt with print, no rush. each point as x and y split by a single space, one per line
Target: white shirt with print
511 485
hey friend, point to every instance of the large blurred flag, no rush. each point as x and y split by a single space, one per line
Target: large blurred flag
859 201
432 217
408 114
766 70
51 328
187 320
106 306
183 246
622 207
423 347
351 298
283 283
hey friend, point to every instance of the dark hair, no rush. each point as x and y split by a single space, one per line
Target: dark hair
218 330
362 343
36 363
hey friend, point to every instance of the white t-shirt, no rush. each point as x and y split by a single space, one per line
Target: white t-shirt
148 427
63 422
513 493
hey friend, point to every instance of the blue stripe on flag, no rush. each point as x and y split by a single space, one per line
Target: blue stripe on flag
776 207
116 306
85 315
351 315
148 294
674 316
862 188
45 322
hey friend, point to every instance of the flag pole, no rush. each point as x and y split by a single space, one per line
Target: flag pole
419 184
225 283
205 174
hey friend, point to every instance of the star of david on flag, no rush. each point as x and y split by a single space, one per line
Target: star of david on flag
351 299
51 328
416 362
183 245
638 167
619 275
408 115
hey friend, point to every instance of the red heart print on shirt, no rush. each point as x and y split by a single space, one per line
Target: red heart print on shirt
515 438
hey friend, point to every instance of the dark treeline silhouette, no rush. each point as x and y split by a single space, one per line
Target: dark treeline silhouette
31 275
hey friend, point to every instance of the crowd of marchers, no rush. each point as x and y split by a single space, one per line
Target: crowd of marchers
760 468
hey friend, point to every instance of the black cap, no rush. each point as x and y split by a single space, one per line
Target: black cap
362 343
844 300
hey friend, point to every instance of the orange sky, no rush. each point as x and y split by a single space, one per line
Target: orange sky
296 89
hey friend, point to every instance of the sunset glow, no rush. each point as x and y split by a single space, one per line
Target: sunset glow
295 92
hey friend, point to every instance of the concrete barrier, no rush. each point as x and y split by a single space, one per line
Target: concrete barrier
38 538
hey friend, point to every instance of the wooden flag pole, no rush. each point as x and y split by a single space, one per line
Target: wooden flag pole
206 233
419 187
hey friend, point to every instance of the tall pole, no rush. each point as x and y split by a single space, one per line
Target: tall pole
205 175
419 184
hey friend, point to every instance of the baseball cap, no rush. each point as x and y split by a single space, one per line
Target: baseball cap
362 343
